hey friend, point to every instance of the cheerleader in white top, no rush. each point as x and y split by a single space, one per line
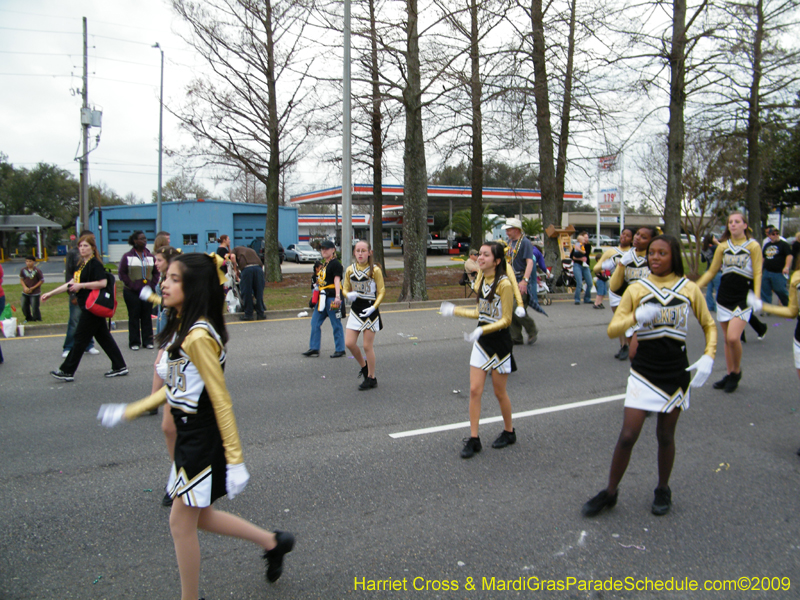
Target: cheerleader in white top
632 266
658 306
739 257
492 345
363 286
604 268
208 455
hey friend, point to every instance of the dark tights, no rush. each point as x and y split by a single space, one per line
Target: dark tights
631 428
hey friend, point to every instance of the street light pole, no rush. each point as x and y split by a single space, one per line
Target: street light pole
160 138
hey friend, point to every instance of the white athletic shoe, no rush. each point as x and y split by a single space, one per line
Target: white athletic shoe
92 350
65 354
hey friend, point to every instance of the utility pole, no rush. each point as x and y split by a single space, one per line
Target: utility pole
347 184
85 124
160 139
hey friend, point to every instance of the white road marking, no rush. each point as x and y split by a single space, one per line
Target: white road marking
521 415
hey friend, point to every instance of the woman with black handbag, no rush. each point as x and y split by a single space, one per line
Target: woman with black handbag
91 275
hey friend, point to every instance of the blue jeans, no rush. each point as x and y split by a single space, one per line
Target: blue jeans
317 318
72 324
251 283
711 291
773 282
582 273
601 287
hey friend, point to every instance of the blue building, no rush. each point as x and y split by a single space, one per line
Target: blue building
193 225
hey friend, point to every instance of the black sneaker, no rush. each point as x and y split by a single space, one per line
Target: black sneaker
311 353
662 501
599 502
619 352
368 383
471 447
623 354
733 382
261 316
363 372
117 372
274 557
61 376
763 333
506 438
720 385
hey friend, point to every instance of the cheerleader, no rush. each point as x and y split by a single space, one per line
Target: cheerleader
208 455
739 256
363 286
604 268
634 263
492 345
659 381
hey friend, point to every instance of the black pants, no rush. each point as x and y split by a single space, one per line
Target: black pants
140 321
91 326
252 285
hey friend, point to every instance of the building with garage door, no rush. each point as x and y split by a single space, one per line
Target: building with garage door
193 225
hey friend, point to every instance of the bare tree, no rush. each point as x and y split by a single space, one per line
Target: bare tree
237 114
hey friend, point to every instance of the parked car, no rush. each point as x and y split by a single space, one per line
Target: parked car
462 244
437 244
302 252
258 245
604 240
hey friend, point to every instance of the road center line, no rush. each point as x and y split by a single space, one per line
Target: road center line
521 415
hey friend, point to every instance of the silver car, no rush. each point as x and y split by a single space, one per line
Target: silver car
302 252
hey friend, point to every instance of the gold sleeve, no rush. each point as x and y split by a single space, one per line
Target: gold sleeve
603 257
154 299
505 289
203 351
704 318
346 282
470 312
714 267
624 317
137 409
617 279
756 258
791 311
511 278
380 287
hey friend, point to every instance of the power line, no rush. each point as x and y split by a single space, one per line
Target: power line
40 30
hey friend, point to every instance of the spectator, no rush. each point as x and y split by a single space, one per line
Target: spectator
72 264
471 265
2 304
31 278
250 273
137 268
776 267
579 254
710 243
162 241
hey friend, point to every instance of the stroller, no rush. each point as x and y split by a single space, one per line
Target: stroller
232 297
544 281
567 277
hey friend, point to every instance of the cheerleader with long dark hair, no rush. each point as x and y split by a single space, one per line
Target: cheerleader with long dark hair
208 460
492 345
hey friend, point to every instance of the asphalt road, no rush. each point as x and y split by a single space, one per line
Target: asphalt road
81 515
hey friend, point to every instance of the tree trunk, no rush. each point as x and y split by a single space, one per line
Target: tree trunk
377 146
551 213
676 135
476 175
753 196
415 177
271 257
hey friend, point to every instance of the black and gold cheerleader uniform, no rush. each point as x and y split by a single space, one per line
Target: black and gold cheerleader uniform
208 439
790 312
512 278
493 349
614 254
634 271
659 381
368 284
740 261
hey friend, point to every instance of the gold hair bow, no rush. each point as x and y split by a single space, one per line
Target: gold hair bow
219 262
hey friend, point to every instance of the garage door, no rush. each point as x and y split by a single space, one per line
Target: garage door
246 228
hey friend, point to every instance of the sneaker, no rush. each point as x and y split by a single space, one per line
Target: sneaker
662 501
134 347
761 335
720 385
506 438
261 316
93 351
310 352
623 354
532 338
733 382
274 557
246 318
471 447
599 502
577 302
65 354
117 372
149 346
61 376
619 352
368 383
364 372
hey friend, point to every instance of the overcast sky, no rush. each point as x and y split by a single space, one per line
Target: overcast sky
41 50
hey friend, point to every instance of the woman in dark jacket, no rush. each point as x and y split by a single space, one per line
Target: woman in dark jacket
91 275
137 269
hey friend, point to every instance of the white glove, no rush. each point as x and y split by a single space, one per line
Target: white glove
366 312
447 309
520 311
755 303
703 368
352 296
473 337
111 414
627 258
236 480
608 265
647 312
162 368
145 294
